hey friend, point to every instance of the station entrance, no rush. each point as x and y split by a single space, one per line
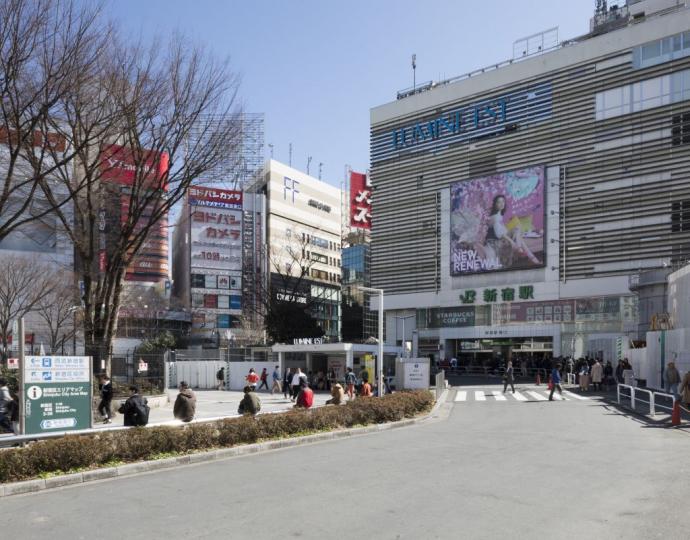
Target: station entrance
490 356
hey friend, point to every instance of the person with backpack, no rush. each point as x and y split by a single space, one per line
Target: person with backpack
135 409
350 380
220 378
105 387
264 379
5 407
185 404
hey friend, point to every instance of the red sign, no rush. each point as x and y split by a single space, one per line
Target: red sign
124 166
360 201
219 198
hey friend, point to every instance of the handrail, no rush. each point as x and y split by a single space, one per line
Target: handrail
652 397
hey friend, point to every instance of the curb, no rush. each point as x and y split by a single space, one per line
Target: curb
131 469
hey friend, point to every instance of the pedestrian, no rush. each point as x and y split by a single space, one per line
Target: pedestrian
454 363
276 380
135 409
508 378
350 380
220 379
250 404
264 379
305 398
365 390
297 378
685 390
287 380
555 381
105 387
5 407
252 378
337 395
583 377
597 374
523 368
671 378
608 375
619 372
185 404
570 364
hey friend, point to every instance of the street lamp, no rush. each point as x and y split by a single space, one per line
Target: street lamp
380 366
402 318
73 311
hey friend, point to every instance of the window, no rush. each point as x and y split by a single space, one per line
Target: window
318 257
680 216
211 282
197 300
680 129
661 51
198 281
223 302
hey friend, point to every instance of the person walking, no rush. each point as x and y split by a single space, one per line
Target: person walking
671 379
619 372
264 379
350 380
252 378
305 398
250 404
5 404
337 395
597 374
509 378
185 404
297 378
220 379
685 390
287 380
555 381
608 375
105 387
275 376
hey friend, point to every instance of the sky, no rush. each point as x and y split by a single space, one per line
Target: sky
316 68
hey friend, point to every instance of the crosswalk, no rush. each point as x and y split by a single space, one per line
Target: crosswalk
519 396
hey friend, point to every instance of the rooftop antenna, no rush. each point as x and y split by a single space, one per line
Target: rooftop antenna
290 154
271 147
308 163
414 72
320 169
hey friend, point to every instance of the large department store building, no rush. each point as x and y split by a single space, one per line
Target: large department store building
514 206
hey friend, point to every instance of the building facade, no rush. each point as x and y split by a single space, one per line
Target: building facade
514 206
302 232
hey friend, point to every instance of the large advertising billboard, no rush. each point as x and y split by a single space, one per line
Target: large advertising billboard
497 222
216 238
360 201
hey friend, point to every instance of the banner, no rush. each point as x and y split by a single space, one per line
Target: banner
216 238
360 201
556 311
217 198
497 222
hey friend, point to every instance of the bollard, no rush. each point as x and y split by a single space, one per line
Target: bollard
675 415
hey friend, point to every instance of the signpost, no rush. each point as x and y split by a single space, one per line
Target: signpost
57 393
416 373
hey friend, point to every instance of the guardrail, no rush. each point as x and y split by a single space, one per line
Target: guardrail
632 396
440 383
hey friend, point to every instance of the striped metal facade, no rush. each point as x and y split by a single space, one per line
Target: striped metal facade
622 188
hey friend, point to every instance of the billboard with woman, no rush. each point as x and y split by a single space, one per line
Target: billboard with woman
497 222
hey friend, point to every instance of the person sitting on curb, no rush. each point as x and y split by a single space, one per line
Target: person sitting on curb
337 395
250 404
365 390
185 404
135 409
305 398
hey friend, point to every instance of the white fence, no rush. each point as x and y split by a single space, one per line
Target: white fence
655 401
201 374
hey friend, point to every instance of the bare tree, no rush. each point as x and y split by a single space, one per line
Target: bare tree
136 157
60 311
24 283
45 46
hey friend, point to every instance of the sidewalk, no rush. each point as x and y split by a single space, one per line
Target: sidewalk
213 404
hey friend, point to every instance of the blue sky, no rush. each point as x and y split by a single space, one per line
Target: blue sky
315 68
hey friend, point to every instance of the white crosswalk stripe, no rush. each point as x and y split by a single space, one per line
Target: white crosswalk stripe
534 394
479 395
519 396
576 396
498 395
461 395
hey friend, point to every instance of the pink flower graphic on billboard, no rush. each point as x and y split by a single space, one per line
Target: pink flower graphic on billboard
497 222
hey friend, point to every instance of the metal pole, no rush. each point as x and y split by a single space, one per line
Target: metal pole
380 388
20 390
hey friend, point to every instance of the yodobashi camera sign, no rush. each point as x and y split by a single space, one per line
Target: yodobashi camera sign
416 373
57 393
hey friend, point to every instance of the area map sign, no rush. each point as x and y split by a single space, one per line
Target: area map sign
57 392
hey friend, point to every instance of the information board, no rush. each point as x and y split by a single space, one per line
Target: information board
416 371
57 392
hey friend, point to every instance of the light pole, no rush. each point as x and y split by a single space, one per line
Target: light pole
380 385
402 318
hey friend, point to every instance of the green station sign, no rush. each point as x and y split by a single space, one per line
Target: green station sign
57 393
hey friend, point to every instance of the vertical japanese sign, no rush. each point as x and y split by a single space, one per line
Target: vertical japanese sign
360 200
57 392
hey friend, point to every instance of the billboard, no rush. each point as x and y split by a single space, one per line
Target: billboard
151 261
120 165
216 238
497 222
217 198
360 201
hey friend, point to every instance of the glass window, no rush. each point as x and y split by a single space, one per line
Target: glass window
666 45
677 42
686 40
211 282
198 280
223 302
223 321
235 302
651 50
197 300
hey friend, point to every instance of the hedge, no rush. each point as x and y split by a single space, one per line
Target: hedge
78 452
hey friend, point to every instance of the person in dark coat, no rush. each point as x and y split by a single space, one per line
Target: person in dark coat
250 404
105 386
509 378
185 404
135 409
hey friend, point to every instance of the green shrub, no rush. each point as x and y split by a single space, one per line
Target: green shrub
77 452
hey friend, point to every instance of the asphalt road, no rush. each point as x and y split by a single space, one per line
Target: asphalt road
491 469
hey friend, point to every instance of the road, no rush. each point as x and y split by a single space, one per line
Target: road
486 468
